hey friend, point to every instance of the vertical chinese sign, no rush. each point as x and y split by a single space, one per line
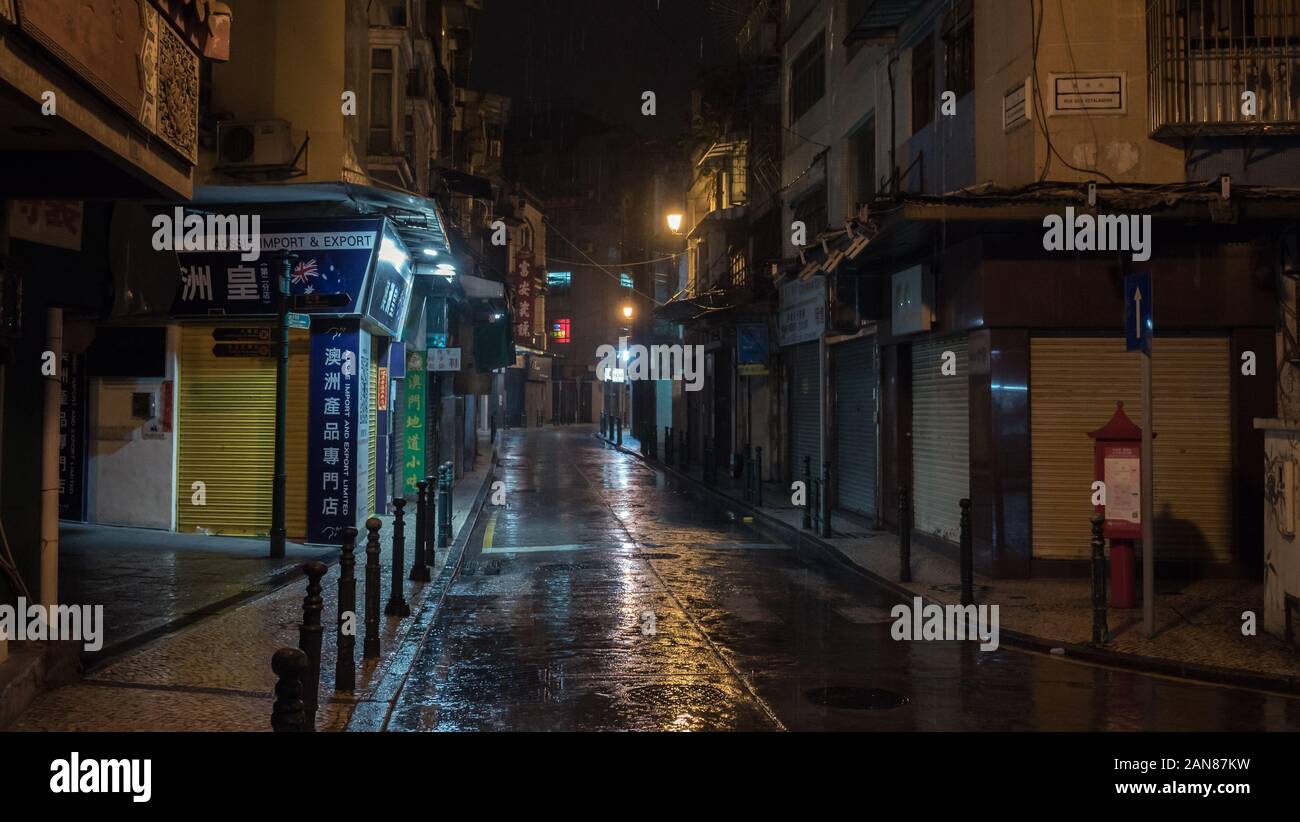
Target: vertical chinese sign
523 290
413 416
335 404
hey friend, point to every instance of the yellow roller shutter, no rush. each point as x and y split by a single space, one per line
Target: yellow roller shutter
295 453
1075 383
225 429
940 437
373 412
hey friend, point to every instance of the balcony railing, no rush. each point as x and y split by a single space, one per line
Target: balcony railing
1204 55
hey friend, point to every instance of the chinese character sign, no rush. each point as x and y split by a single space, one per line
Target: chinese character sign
524 282
333 431
49 222
412 428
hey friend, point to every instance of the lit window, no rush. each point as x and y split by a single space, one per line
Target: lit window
561 331
625 280
559 280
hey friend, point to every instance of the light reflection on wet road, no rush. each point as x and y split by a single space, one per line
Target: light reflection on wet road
611 598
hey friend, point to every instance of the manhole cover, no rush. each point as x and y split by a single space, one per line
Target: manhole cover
856 699
677 696
658 555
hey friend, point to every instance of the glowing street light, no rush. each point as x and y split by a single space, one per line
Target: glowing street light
627 311
675 223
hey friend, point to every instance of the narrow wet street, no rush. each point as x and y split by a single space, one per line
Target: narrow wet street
604 595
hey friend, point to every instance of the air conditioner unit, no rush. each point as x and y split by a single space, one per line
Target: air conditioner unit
252 143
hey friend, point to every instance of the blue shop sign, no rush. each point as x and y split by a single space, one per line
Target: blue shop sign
362 257
334 437
751 344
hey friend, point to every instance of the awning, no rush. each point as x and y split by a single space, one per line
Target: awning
478 288
468 184
418 220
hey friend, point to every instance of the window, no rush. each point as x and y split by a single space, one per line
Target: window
922 84
808 77
625 280
561 331
381 101
959 52
559 281
736 266
810 209
863 158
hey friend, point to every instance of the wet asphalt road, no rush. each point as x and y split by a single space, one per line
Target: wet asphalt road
605 596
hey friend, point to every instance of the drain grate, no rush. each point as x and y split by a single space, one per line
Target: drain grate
856 699
677 695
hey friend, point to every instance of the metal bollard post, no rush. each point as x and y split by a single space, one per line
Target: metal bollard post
826 500
430 523
619 423
967 557
904 535
370 649
420 568
345 666
1100 630
288 713
309 641
444 504
758 475
397 605
807 490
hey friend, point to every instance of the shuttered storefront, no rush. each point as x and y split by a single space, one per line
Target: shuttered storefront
226 438
940 437
805 409
1075 383
854 379
373 411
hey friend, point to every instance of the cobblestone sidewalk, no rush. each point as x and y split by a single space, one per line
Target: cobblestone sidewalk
216 674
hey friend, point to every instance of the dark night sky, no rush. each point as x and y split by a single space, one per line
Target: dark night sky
600 55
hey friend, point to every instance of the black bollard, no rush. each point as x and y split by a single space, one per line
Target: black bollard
370 649
397 605
758 475
826 500
445 504
1100 630
345 667
807 490
434 484
288 714
904 535
420 568
309 640
967 557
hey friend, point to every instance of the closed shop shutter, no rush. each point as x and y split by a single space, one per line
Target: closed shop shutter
940 437
1075 383
854 375
805 409
226 432
373 412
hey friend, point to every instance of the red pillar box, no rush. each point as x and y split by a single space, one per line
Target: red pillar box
1117 455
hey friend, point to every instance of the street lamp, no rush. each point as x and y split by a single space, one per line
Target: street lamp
675 223
627 312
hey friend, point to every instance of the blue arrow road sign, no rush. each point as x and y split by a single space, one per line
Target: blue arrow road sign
1138 328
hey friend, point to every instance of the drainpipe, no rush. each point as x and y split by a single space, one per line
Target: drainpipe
50 464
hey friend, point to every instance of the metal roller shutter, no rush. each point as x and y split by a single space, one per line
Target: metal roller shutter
226 432
373 411
854 375
1075 383
940 437
805 409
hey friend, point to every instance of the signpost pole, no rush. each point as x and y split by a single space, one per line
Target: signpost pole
281 404
1148 508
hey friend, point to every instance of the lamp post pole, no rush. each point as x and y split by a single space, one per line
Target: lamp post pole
281 404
